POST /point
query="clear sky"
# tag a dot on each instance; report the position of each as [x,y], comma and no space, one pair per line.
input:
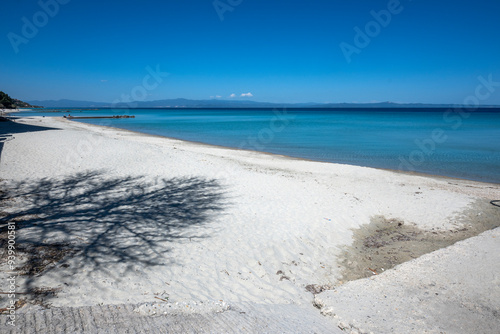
[278,50]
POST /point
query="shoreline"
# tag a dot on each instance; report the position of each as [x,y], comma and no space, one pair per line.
[129,216]
[415,173]
[408,172]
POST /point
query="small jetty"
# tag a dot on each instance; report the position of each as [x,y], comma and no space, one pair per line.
[89,117]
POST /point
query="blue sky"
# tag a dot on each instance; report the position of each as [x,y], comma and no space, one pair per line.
[279,50]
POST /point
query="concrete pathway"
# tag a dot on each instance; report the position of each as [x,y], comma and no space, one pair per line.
[243,318]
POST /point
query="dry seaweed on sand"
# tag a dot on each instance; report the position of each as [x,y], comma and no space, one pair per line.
[386,243]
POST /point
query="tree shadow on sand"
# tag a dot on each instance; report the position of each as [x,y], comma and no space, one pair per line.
[9,128]
[97,222]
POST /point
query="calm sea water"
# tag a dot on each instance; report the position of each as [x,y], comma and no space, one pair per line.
[437,142]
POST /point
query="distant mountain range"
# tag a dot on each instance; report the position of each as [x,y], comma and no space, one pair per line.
[186,103]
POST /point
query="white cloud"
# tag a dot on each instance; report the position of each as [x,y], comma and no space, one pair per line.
[104,80]
[246,95]
[232,95]
[218,96]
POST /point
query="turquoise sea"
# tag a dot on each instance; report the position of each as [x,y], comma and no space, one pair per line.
[454,143]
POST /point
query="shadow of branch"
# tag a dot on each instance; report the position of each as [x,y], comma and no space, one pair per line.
[99,221]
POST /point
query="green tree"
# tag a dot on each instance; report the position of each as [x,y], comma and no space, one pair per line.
[6,101]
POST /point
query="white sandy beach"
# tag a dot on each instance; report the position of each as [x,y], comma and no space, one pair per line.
[264,226]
